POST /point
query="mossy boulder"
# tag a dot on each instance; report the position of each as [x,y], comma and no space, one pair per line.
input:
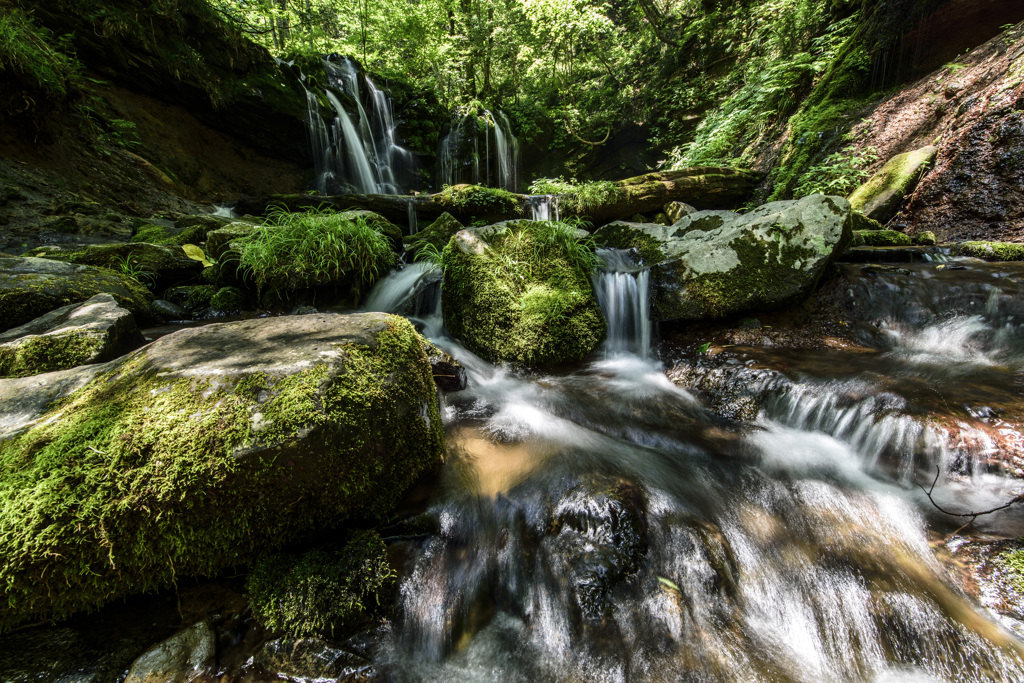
[512,293]
[717,263]
[91,332]
[160,265]
[992,251]
[206,449]
[861,222]
[228,300]
[185,230]
[881,238]
[925,238]
[193,298]
[881,196]
[675,211]
[378,223]
[218,242]
[30,287]
[321,593]
[436,234]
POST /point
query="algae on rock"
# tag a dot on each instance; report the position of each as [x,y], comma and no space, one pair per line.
[521,291]
[881,196]
[206,449]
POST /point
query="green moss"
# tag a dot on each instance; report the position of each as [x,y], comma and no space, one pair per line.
[194,298]
[156,234]
[525,299]
[1013,561]
[924,238]
[619,235]
[436,235]
[880,197]
[477,201]
[146,477]
[321,593]
[46,353]
[228,299]
[992,251]
[881,238]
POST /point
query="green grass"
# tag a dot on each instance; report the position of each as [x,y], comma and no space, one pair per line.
[295,251]
[35,55]
[578,197]
[522,249]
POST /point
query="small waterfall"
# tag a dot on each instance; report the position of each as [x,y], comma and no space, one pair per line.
[361,155]
[623,293]
[459,152]
[413,218]
[543,207]
[396,291]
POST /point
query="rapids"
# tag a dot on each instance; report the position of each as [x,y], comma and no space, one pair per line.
[602,523]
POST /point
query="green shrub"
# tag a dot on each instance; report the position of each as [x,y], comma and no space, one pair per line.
[321,593]
[294,251]
[35,55]
[578,197]
[839,174]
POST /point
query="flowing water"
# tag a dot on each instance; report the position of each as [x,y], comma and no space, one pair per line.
[605,524]
[459,153]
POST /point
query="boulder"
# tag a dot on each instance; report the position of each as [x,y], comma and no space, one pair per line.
[992,251]
[218,241]
[512,292]
[449,374]
[881,196]
[676,211]
[717,263]
[153,264]
[179,659]
[78,334]
[203,450]
[30,287]
[436,234]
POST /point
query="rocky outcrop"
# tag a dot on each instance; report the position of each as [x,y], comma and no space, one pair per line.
[716,263]
[437,234]
[882,195]
[515,292]
[30,287]
[95,331]
[160,265]
[179,659]
[204,449]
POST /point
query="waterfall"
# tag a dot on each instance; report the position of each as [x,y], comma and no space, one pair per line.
[459,152]
[361,155]
[623,294]
[542,206]
[413,218]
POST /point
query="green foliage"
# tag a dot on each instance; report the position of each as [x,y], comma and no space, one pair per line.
[840,173]
[1013,561]
[35,56]
[120,133]
[293,251]
[477,200]
[130,266]
[578,197]
[321,593]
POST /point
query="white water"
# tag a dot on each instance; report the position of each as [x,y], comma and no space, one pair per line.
[623,293]
[396,290]
[414,223]
[459,152]
[543,207]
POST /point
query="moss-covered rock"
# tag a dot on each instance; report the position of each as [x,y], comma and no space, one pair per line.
[228,300]
[717,263]
[91,332]
[675,211]
[218,241]
[205,449]
[514,292]
[992,251]
[30,287]
[925,239]
[321,593]
[193,298]
[378,223]
[881,196]
[437,234]
[185,230]
[157,265]
[881,238]
[475,202]
[858,221]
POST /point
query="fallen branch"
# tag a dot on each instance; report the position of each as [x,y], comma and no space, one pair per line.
[972,515]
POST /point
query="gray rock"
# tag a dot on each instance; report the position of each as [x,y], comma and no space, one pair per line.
[170,311]
[179,659]
[677,210]
[308,660]
[152,264]
[449,374]
[716,263]
[30,287]
[79,334]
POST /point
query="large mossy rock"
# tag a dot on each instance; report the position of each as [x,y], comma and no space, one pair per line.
[30,287]
[91,332]
[162,265]
[881,196]
[437,234]
[204,449]
[712,264]
[510,293]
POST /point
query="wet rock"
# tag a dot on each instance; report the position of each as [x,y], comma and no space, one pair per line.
[193,298]
[179,659]
[449,375]
[91,332]
[218,242]
[310,659]
[881,196]
[437,234]
[185,230]
[880,238]
[675,211]
[156,265]
[717,263]
[540,310]
[228,300]
[992,251]
[335,415]
[861,222]
[170,311]
[925,238]
[30,287]
[598,529]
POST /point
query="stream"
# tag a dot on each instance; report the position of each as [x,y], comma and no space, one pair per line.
[606,524]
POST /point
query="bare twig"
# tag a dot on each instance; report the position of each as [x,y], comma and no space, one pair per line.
[970,516]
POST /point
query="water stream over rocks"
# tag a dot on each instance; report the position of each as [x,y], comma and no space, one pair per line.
[608,524]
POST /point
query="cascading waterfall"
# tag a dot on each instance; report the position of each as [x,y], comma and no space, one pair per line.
[362,155]
[459,152]
[543,207]
[623,294]
[414,222]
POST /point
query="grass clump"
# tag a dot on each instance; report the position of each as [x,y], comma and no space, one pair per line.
[479,201]
[35,57]
[314,248]
[578,197]
[321,593]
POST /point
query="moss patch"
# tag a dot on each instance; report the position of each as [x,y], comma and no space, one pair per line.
[436,235]
[46,353]
[157,234]
[523,297]
[479,202]
[881,238]
[321,593]
[145,475]
[992,251]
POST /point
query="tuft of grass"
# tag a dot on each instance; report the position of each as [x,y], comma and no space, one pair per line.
[35,55]
[313,248]
[578,197]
